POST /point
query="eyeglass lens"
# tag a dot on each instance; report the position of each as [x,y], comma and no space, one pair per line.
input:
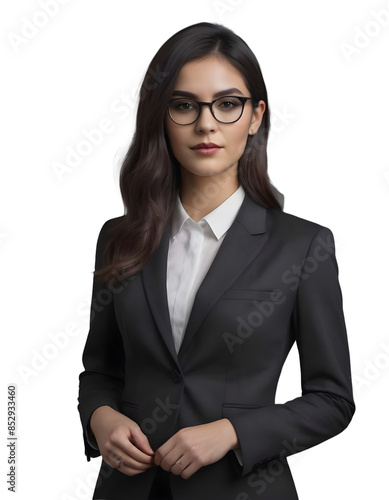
[225,109]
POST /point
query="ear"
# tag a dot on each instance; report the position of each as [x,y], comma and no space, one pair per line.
[257,116]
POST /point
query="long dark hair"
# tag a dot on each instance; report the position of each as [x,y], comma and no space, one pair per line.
[150,174]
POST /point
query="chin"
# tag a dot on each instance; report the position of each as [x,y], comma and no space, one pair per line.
[211,172]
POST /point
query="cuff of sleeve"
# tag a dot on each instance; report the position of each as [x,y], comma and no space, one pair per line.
[90,437]
[238,454]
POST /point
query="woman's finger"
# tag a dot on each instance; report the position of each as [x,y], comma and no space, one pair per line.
[131,453]
[132,457]
[125,464]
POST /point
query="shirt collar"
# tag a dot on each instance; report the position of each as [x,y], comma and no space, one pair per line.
[219,220]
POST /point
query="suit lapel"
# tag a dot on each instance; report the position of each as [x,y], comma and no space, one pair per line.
[242,243]
[154,281]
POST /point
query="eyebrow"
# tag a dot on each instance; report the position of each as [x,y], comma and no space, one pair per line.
[217,94]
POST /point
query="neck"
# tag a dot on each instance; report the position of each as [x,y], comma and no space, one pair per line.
[200,195]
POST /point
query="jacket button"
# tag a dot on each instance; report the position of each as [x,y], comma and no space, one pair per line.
[175,375]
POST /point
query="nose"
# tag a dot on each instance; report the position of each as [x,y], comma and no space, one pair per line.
[206,121]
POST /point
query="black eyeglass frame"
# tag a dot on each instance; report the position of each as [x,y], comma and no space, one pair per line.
[243,100]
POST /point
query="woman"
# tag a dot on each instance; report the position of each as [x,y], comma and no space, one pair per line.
[200,291]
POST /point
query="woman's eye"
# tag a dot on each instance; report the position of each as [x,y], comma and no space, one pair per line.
[228,104]
[184,106]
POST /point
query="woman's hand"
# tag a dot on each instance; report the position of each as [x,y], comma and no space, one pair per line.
[120,438]
[193,447]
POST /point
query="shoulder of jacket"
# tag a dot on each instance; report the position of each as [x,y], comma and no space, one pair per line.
[113,221]
[294,225]
[107,226]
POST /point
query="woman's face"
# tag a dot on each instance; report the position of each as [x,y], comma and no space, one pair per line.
[204,78]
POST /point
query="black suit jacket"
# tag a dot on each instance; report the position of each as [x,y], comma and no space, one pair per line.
[274,281]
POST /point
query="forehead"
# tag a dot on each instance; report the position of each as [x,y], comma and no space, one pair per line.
[208,75]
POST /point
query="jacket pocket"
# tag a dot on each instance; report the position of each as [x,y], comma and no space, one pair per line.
[240,406]
[235,294]
[232,410]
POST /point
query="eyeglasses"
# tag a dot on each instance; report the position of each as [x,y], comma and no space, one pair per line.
[227,109]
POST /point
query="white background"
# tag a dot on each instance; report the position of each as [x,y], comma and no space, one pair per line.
[328,93]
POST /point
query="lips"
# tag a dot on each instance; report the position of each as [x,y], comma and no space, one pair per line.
[206,145]
[206,148]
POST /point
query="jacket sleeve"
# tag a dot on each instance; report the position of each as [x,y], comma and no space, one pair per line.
[326,405]
[102,380]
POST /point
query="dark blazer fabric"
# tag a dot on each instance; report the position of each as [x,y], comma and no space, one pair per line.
[273,282]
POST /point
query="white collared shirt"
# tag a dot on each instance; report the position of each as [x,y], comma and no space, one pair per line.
[192,249]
